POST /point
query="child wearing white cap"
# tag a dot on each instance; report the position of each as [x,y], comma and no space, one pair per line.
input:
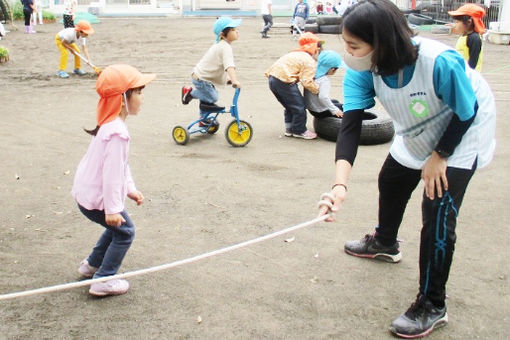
[216,66]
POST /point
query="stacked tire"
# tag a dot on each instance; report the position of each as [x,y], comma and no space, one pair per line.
[327,24]
[330,24]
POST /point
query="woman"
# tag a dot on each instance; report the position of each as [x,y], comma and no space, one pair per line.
[444,115]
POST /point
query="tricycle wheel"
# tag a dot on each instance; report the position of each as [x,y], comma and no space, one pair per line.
[238,136]
[213,128]
[180,135]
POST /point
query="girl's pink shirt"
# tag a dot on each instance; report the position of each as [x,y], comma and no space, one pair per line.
[103,178]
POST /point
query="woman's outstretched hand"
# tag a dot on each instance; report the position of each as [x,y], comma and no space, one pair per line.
[332,201]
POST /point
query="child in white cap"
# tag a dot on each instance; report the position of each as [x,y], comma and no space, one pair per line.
[217,65]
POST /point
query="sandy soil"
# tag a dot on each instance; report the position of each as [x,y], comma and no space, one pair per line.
[207,195]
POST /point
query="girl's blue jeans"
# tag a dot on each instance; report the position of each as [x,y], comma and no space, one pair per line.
[294,103]
[113,244]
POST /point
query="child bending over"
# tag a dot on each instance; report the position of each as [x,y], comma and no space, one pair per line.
[321,105]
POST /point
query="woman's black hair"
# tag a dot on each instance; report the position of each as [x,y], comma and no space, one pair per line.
[129,92]
[382,25]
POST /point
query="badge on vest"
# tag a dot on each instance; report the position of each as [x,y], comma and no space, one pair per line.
[419,108]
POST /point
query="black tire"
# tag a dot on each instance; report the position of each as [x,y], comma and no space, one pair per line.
[213,129]
[235,138]
[377,128]
[330,29]
[440,29]
[329,20]
[311,21]
[419,19]
[313,28]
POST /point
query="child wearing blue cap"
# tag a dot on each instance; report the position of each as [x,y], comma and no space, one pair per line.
[217,65]
[321,105]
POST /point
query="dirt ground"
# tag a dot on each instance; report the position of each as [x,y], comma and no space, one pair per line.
[208,195]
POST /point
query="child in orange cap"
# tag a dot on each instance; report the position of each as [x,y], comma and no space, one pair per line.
[66,41]
[284,75]
[469,25]
[103,178]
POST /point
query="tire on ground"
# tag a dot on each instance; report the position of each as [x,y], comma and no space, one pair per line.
[419,19]
[377,128]
[440,29]
[330,29]
[329,20]
[313,28]
[311,21]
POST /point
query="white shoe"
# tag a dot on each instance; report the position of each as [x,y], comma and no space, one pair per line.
[86,270]
[112,287]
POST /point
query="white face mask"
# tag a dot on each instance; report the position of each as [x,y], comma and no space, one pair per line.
[358,63]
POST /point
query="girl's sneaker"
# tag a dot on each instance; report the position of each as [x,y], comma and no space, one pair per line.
[86,270]
[79,72]
[62,74]
[112,287]
[306,135]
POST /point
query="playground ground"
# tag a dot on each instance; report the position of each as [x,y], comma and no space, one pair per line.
[208,195]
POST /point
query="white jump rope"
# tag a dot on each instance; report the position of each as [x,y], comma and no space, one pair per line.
[83,283]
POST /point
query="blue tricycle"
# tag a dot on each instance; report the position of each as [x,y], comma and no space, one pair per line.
[238,132]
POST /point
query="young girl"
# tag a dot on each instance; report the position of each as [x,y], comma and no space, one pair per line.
[321,105]
[469,25]
[216,66]
[444,115]
[103,178]
[66,41]
[284,76]
[68,15]
[28,9]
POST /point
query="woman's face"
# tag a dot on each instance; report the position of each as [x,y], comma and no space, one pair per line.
[354,45]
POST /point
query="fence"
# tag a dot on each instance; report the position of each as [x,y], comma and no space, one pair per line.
[438,10]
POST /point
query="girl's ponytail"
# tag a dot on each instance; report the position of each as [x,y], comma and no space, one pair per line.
[92,132]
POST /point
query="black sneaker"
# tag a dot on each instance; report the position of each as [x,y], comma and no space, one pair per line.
[419,320]
[370,248]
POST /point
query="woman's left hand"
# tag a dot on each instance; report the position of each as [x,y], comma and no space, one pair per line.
[433,174]
[136,196]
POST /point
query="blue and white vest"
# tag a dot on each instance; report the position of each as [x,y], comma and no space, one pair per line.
[421,118]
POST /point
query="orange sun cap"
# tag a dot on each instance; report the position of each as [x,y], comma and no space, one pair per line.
[111,84]
[475,11]
[309,42]
[84,26]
